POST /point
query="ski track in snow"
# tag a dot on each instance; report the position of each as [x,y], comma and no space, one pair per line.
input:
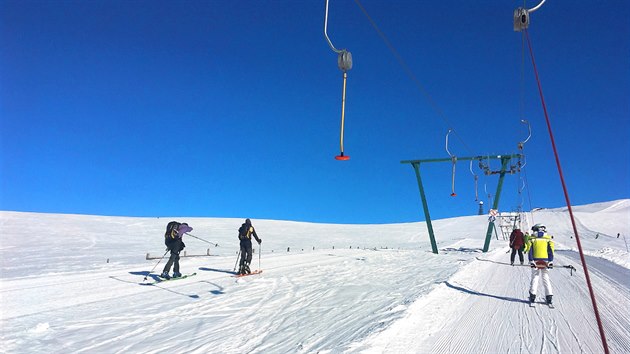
[482,298]
[59,295]
[294,306]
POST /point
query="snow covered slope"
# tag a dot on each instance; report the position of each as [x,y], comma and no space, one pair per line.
[72,283]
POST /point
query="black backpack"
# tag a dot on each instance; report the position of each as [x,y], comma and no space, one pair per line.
[171,231]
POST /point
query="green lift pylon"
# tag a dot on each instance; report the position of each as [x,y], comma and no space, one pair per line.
[505,159]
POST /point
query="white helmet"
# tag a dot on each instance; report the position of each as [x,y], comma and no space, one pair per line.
[539,227]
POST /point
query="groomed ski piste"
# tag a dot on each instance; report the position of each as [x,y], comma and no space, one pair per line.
[71,284]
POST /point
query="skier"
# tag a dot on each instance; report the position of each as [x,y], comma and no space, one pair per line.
[175,244]
[516,243]
[540,250]
[245,233]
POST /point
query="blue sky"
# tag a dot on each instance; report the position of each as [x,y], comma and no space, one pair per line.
[232,108]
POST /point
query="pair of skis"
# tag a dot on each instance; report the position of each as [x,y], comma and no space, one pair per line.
[246,274]
[550,305]
[162,280]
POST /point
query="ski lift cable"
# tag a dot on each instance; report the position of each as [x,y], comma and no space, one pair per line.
[522,88]
[411,75]
[566,196]
[529,197]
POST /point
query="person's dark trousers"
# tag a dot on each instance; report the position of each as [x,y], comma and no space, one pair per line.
[246,252]
[175,248]
[520,255]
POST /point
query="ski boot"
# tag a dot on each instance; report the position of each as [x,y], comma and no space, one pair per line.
[165,275]
[177,275]
[549,299]
[247,270]
[532,298]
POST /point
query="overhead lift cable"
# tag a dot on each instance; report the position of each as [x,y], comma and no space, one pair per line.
[521,23]
[411,75]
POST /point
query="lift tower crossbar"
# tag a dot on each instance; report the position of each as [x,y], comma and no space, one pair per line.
[505,159]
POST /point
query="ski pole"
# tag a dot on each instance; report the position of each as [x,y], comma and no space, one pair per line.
[160,260]
[259,252]
[570,267]
[198,238]
[238,255]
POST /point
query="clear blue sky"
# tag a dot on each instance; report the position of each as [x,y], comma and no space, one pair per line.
[232,108]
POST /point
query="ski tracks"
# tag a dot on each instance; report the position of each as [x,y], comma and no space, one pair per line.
[483,297]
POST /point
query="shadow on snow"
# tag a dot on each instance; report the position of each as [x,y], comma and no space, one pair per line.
[472,292]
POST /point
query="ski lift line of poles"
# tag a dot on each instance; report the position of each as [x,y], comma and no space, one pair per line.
[521,23]
[344,62]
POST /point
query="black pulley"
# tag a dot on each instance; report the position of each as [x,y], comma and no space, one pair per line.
[521,19]
[344,60]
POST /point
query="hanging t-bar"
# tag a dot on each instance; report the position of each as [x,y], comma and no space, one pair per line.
[344,62]
[454,160]
[521,144]
[476,180]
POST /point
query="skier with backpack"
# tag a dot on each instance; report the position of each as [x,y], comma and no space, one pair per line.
[245,233]
[516,243]
[540,248]
[174,243]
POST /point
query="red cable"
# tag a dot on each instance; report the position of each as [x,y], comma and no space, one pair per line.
[566,196]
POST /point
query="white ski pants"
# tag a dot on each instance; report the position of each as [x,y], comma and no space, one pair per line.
[536,274]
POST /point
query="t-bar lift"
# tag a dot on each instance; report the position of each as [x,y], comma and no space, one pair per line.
[505,162]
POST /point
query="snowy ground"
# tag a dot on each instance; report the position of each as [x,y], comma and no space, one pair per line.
[71,283]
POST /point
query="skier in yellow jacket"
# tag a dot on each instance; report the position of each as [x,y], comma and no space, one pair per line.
[539,249]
